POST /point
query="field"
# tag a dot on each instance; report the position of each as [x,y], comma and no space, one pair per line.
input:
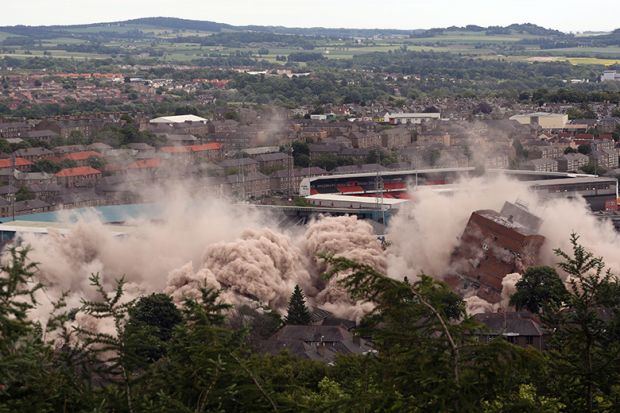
[151,41]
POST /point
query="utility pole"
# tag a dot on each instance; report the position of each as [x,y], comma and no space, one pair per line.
[290,171]
[12,194]
[241,172]
[379,188]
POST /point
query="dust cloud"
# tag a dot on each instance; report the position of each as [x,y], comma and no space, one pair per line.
[209,242]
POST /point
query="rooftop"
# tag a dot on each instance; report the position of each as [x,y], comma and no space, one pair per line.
[178,119]
[79,171]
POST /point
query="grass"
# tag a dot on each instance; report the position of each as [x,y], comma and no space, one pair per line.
[592,61]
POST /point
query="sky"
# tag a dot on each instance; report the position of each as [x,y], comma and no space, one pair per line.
[565,15]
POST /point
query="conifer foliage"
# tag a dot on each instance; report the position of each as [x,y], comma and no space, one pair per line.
[298,313]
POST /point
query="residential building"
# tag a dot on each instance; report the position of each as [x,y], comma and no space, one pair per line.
[604,159]
[212,151]
[280,180]
[35,154]
[46,136]
[13,129]
[273,161]
[319,150]
[351,169]
[520,328]
[492,245]
[20,164]
[434,137]
[240,165]
[81,158]
[179,139]
[316,342]
[365,140]
[396,138]
[542,165]
[82,176]
[251,185]
[572,162]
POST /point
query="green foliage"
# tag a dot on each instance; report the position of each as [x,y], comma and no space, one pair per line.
[45,165]
[149,327]
[581,113]
[96,162]
[202,357]
[539,289]
[526,399]
[67,163]
[297,313]
[24,194]
[584,350]
[584,149]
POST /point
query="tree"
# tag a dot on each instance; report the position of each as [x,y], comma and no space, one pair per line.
[584,149]
[45,165]
[96,162]
[110,349]
[584,349]
[24,194]
[298,313]
[539,289]
[149,327]
[484,108]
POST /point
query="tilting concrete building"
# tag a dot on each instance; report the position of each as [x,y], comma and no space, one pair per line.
[492,246]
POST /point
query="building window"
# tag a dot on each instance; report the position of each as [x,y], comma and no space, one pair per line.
[529,340]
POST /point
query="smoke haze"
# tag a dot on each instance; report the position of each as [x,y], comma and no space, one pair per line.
[211,243]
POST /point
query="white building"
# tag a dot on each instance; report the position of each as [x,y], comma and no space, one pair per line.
[610,75]
[180,119]
[413,118]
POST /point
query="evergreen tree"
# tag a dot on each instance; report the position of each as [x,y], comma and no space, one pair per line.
[298,313]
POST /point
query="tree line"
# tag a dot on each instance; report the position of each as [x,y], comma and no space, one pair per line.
[202,356]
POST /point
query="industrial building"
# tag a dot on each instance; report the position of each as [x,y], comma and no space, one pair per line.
[171,120]
[15,230]
[600,193]
[543,119]
[355,202]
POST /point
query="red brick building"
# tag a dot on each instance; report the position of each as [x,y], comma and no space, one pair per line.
[82,176]
[20,164]
[494,245]
[212,151]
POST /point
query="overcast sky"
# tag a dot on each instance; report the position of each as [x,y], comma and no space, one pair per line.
[566,15]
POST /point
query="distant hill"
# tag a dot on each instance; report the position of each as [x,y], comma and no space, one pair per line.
[132,27]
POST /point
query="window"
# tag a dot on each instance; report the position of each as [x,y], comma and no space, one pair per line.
[529,340]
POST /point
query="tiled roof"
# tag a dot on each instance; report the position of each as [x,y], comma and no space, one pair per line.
[82,156]
[79,171]
[145,164]
[7,163]
[212,146]
[175,149]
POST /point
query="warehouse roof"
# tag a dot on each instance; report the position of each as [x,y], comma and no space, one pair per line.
[178,119]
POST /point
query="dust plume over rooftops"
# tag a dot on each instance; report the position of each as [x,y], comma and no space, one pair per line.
[209,242]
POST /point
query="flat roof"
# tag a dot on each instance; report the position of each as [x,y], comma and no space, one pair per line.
[40,227]
[178,119]
[389,173]
[359,199]
[540,115]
